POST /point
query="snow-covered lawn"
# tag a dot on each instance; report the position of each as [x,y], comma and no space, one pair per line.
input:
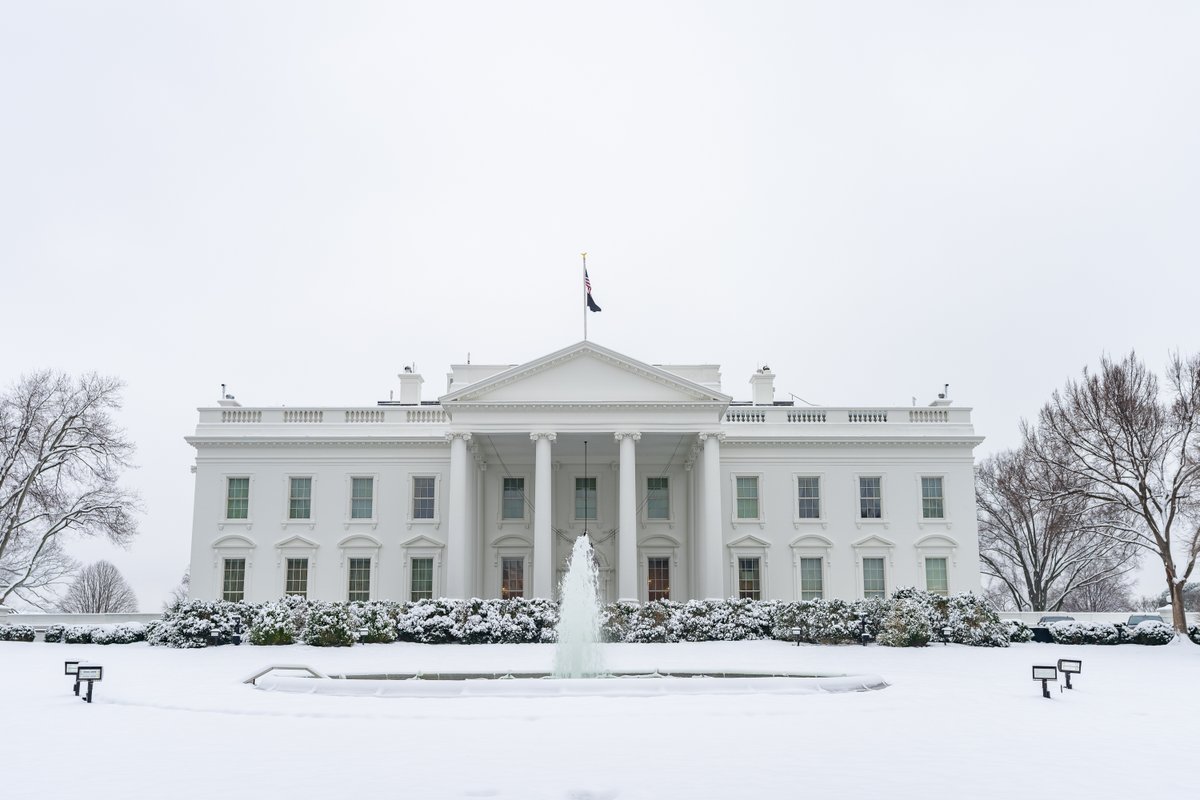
[956,723]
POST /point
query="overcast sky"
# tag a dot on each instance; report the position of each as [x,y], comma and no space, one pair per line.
[874,198]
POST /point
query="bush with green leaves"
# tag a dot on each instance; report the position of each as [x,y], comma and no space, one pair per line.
[1151,632]
[720,620]
[1018,631]
[635,623]
[78,634]
[329,625]
[121,633]
[200,623]
[1076,632]
[1194,633]
[829,621]
[274,623]
[54,633]
[907,623]
[17,633]
[375,621]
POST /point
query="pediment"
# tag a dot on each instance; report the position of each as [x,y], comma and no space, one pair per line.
[873,541]
[422,541]
[296,541]
[234,540]
[936,540]
[749,540]
[811,540]
[660,540]
[584,373]
[360,540]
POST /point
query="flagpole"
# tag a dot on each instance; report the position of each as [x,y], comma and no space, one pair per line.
[585,308]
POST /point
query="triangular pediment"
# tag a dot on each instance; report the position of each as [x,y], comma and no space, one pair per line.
[584,373]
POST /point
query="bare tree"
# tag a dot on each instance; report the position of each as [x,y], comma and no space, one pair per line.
[180,594]
[1125,445]
[99,588]
[1040,548]
[61,455]
[1114,593]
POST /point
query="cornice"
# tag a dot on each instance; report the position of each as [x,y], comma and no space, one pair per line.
[854,441]
[583,404]
[258,441]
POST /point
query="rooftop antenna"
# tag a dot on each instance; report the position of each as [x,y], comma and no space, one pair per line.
[468,358]
[945,391]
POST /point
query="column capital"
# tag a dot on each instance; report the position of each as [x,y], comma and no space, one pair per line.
[634,435]
[720,437]
[450,437]
[543,435]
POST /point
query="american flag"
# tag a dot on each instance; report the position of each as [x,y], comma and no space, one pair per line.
[587,288]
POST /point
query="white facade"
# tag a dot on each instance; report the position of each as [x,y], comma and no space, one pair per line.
[483,492]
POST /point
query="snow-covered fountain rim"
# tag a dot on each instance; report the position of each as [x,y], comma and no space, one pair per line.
[538,684]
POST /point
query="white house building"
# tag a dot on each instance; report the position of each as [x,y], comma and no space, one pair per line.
[685,492]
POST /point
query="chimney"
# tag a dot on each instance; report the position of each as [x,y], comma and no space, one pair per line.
[762,386]
[410,387]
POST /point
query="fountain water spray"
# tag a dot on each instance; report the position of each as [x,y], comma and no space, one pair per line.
[578,653]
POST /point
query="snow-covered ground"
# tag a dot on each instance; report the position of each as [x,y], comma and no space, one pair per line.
[956,723]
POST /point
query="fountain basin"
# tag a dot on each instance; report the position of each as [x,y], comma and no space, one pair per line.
[463,684]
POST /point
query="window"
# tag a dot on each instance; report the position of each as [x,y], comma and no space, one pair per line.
[933,504]
[362,498]
[658,578]
[749,578]
[237,499]
[937,580]
[812,579]
[233,587]
[512,577]
[747,496]
[422,579]
[296,580]
[360,580]
[873,578]
[585,498]
[808,496]
[870,498]
[424,497]
[512,504]
[658,498]
[300,498]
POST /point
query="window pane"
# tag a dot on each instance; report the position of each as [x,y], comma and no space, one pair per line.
[360,580]
[658,498]
[585,498]
[932,500]
[873,584]
[234,584]
[513,504]
[362,496]
[812,579]
[512,577]
[870,498]
[749,579]
[422,579]
[658,572]
[297,577]
[747,496]
[936,579]
[424,499]
[808,490]
[237,499]
[300,498]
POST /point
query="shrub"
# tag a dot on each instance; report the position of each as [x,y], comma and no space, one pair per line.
[907,624]
[17,633]
[329,625]
[375,622]
[1018,631]
[200,623]
[273,624]
[1074,632]
[78,634]
[972,621]
[429,622]
[1194,633]
[829,621]
[1153,633]
[121,633]
[54,633]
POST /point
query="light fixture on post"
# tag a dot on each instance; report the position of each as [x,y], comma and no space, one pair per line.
[1069,667]
[946,631]
[1045,674]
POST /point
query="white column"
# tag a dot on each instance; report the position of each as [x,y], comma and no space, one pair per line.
[543,534]
[712,583]
[457,558]
[627,589]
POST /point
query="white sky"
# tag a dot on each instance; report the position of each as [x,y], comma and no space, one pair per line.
[874,198]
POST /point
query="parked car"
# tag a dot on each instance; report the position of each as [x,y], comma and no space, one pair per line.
[1138,619]
[1049,618]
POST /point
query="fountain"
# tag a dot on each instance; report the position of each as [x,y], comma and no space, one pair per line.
[578,652]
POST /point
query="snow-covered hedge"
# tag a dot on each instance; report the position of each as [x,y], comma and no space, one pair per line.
[907,623]
[17,633]
[475,621]
[329,625]
[1075,632]
[200,623]
[1152,632]
[375,622]
[78,634]
[275,623]
[54,633]
[829,621]
[1194,633]
[1018,631]
[121,633]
